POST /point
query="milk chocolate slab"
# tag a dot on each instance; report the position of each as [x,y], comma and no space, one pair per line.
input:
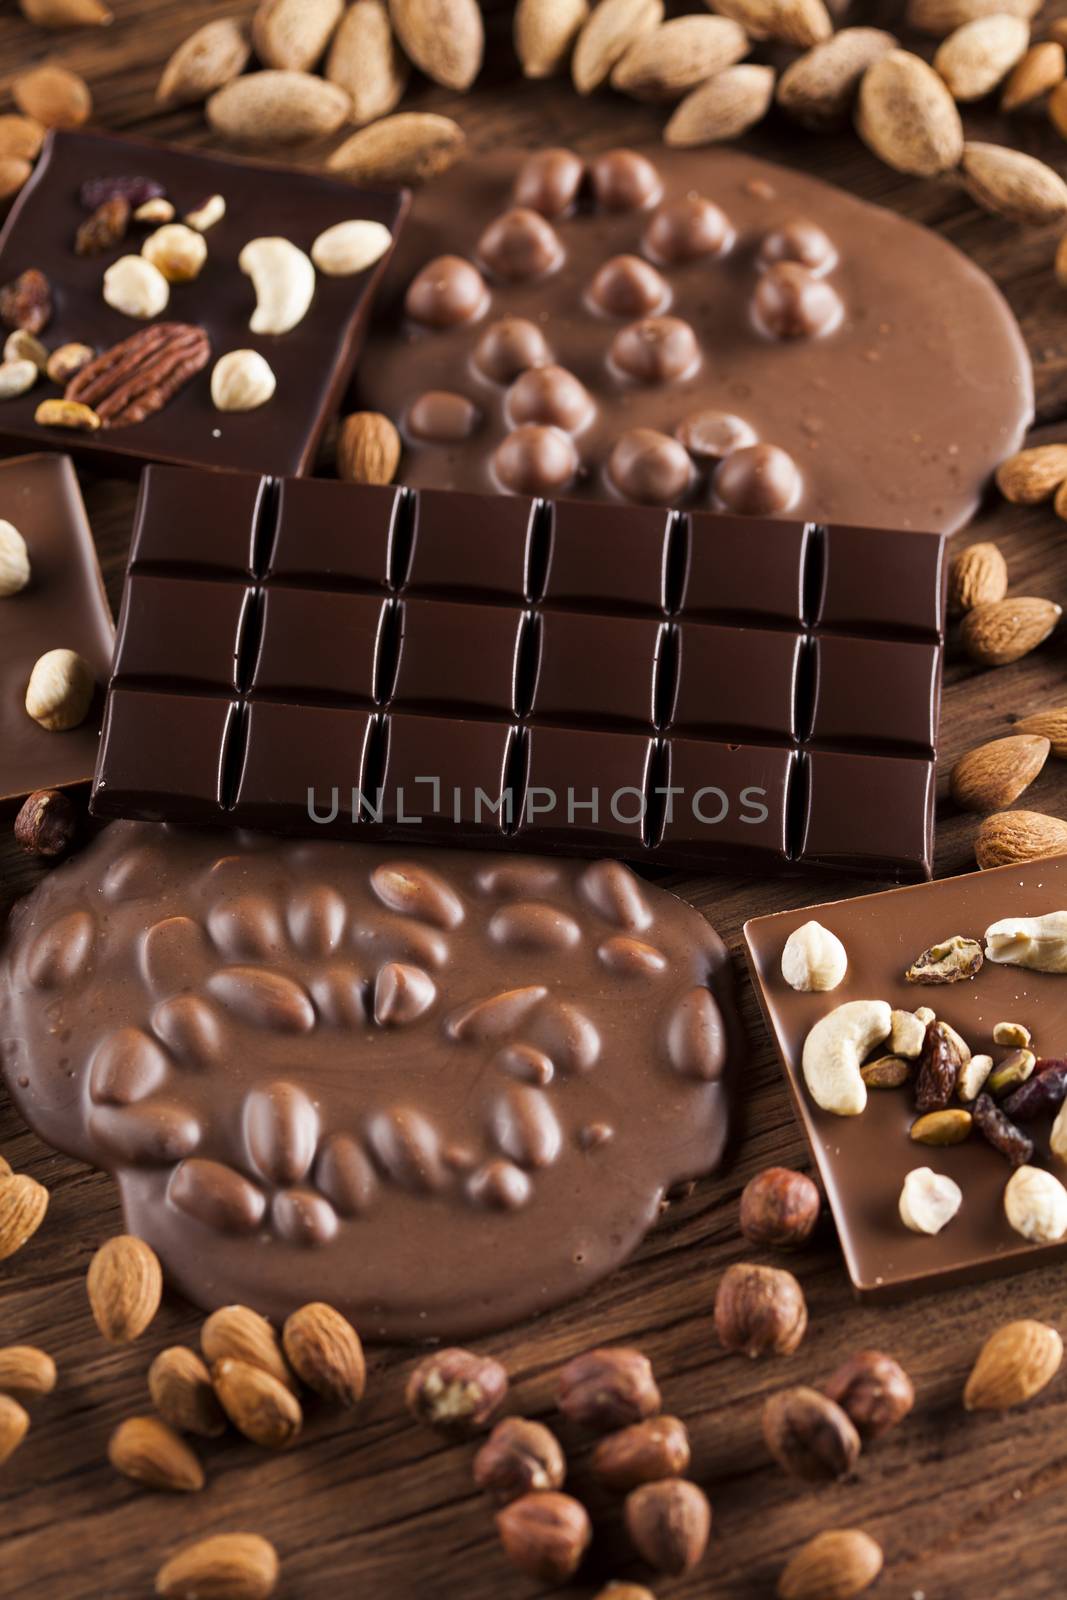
[679,689]
[454,1088]
[864,1160]
[312,363]
[62,607]
[894,409]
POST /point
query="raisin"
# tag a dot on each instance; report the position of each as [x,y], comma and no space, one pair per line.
[104,229]
[1001,1132]
[135,191]
[939,1068]
[26,302]
[1044,1090]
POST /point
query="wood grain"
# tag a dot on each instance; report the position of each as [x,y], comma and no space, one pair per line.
[967,1507]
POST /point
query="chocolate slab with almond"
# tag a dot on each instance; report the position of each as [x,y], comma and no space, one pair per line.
[864,1159]
[312,362]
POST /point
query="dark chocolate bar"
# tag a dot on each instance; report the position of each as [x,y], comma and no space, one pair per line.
[329,658]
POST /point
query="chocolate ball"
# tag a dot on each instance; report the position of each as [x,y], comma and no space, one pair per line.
[656,349]
[626,286]
[624,181]
[549,182]
[650,467]
[759,480]
[711,435]
[508,347]
[536,460]
[686,229]
[790,303]
[445,293]
[520,245]
[441,417]
[800,241]
[552,395]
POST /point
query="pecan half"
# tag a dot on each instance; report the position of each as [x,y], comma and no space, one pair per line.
[137,378]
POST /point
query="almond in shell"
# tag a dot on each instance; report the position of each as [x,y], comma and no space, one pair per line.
[210,58]
[145,1449]
[445,39]
[614,26]
[665,64]
[978,56]
[66,13]
[1042,67]
[275,107]
[998,632]
[801,23]
[835,1565]
[294,33]
[907,116]
[941,17]
[1016,1363]
[125,1286]
[723,108]
[1050,725]
[23,1203]
[544,33]
[366,61]
[14,1425]
[996,774]
[1013,184]
[976,574]
[819,87]
[228,1566]
[411,147]
[1008,838]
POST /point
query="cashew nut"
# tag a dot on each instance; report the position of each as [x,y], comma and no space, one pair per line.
[1035,1204]
[1039,943]
[813,958]
[17,377]
[205,216]
[284,280]
[834,1050]
[907,1035]
[928,1200]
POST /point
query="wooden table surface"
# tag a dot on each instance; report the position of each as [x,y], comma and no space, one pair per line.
[966,1507]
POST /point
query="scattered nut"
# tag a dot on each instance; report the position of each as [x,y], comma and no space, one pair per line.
[368,448]
[257,1404]
[813,958]
[1030,476]
[1058,1137]
[154,211]
[1038,943]
[60,690]
[949,962]
[834,1050]
[205,216]
[178,252]
[1016,1362]
[669,1523]
[284,281]
[125,1286]
[779,1208]
[326,1353]
[1035,1204]
[1011,1072]
[67,414]
[350,247]
[1011,1033]
[545,1534]
[1051,723]
[68,360]
[949,1126]
[606,1389]
[241,1332]
[835,1565]
[998,632]
[456,1390]
[518,1458]
[242,380]
[973,1076]
[241,1566]
[908,1033]
[17,377]
[14,561]
[182,1392]
[137,288]
[644,1453]
[148,1451]
[14,1425]
[26,1372]
[976,574]
[23,1204]
[995,774]
[760,1311]
[105,228]
[21,345]
[873,1390]
[809,1435]
[928,1200]
[888,1072]
[47,824]
[1008,837]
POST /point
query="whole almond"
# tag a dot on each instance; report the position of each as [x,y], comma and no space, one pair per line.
[23,1203]
[210,58]
[411,147]
[998,632]
[240,1332]
[325,1352]
[1057,109]
[994,775]
[801,23]
[613,27]
[14,172]
[1030,476]
[976,574]
[228,1566]
[260,1407]
[907,117]
[819,87]
[1008,838]
[145,1449]
[1042,67]
[53,97]
[1016,1362]
[26,1371]
[293,34]
[368,448]
[674,58]
[272,107]
[1013,184]
[20,137]
[182,1392]
[14,1425]
[1050,725]
[366,61]
[445,39]
[125,1285]
[66,13]
[835,1565]
[545,31]
[5,1168]
[975,58]
[941,17]
[724,107]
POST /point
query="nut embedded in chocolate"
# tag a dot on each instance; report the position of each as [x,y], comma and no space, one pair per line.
[105,228]
[440,417]
[669,1523]
[801,241]
[141,375]
[549,181]
[760,1311]
[810,1435]
[535,459]
[686,229]
[792,303]
[779,1208]
[519,1457]
[47,823]
[605,1389]
[623,180]
[656,350]
[445,293]
[758,480]
[509,347]
[642,1453]
[626,286]
[874,1391]
[550,395]
[710,435]
[456,1390]
[650,467]
[520,245]
[545,1534]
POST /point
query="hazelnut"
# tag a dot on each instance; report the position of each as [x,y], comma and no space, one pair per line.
[549,182]
[656,350]
[517,1458]
[510,347]
[874,1390]
[792,303]
[623,180]
[60,690]
[179,252]
[686,229]
[809,1435]
[456,1390]
[759,480]
[536,459]
[549,395]
[608,1389]
[760,1311]
[801,241]
[545,1534]
[643,1453]
[47,823]
[779,1208]
[650,467]
[447,292]
[520,245]
[669,1523]
[136,287]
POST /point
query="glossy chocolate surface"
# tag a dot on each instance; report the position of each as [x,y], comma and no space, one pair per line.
[62,607]
[454,1088]
[847,348]
[312,362]
[485,664]
[864,1160]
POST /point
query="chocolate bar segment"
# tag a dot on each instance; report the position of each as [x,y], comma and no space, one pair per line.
[468,679]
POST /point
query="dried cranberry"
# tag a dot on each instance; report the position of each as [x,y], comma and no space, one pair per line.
[1044,1090]
[135,191]
[939,1068]
[1001,1132]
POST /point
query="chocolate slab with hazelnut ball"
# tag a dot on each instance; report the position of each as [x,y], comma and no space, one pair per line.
[939,1138]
